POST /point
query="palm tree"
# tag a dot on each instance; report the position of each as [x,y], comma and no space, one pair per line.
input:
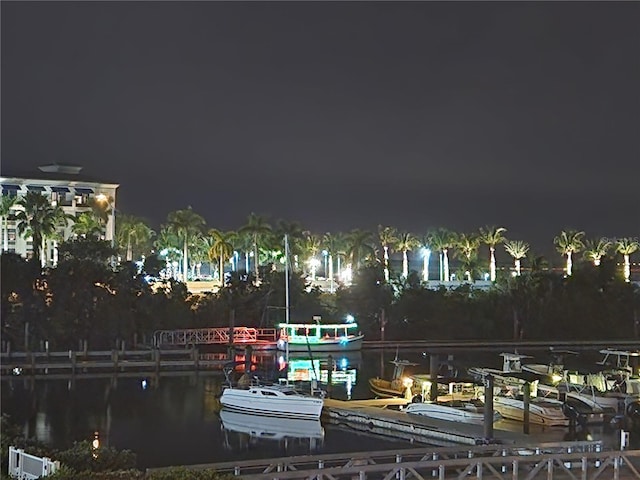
[185,224]
[518,250]
[87,225]
[295,236]
[39,220]
[594,251]
[568,243]
[388,239]
[221,248]
[257,227]
[442,240]
[492,236]
[132,232]
[426,245]
[406,243]
[7,203]
[360,246]
[468,245]
[311,247]
[168,245]
[625,247]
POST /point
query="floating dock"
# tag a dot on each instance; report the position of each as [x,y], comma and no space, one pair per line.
[375,416]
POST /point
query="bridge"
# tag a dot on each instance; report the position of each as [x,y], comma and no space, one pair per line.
[263,338]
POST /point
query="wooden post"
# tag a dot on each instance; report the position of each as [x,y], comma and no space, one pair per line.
[72,357]
[527,401]
[114,359]
[157,352]
[196,358]
[433,375]
[329,375]
[248,351]
[488,407]
[383,323]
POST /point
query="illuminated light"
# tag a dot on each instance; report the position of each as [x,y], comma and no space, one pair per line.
[96,441]
[144,384]
[344,363]
[101,197]
[407,382]
[17,371]
[350,318]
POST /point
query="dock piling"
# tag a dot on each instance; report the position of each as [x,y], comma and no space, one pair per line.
[527,402]
[488,407]
[433,374]
[329,375]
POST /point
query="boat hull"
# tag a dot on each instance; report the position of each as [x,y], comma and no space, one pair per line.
[324,345]
[547,412]
[464,414]
[286,406]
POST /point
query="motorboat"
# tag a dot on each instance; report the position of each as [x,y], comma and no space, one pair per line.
[399,385]
[270,428]
[272,400]
[319,337]
[469,411]
[542,411]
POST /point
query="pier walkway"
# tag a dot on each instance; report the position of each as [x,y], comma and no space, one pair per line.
[572,460]
[256,337]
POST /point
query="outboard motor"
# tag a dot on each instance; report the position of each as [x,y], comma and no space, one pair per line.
[416,399]
[632,412]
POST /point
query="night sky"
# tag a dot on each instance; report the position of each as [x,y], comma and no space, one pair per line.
[337,115]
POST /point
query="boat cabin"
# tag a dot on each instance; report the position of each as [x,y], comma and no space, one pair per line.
[316,333]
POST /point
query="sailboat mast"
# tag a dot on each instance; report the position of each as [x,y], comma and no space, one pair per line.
[286,294]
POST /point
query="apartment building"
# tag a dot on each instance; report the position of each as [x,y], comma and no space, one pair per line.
[64,185]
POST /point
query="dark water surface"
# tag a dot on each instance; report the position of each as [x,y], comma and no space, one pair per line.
[175,420]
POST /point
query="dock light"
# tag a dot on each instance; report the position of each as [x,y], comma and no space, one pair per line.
[95,444]
[144,384]
[344,363]
[349,318]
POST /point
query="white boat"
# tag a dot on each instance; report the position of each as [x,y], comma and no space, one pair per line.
[272,400]
[542,411]
[319,337]
[470,411]
[270,428]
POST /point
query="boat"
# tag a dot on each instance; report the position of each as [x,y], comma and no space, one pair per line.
[270,428]
[276,400]
[399,385]
[466,411]
[319,337]
[542,411]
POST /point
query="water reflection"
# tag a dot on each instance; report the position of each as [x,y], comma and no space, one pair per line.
[290,436]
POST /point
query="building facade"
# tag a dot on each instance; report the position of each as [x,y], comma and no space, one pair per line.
[62,185]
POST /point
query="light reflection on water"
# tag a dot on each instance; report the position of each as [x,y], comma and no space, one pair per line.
[173,420]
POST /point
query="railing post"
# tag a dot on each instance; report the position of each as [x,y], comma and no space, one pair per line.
[196,358]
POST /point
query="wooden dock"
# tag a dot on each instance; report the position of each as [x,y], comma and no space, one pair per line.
[375,416]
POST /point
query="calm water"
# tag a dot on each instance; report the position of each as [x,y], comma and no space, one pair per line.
[176,420]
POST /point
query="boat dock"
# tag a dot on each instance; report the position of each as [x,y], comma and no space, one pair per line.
[375,416]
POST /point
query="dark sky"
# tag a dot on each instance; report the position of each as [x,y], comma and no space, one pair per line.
[336,114]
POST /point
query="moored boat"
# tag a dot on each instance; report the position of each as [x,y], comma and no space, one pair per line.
[329,337]
[272,400]
[542,411]
[469,411]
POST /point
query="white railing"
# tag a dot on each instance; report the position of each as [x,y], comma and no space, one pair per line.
[27,467]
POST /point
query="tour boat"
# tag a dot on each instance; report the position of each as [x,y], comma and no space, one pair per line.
[272,400]
[328,337]
[469,411]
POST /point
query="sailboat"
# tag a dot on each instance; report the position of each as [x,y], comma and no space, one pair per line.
[274,400]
